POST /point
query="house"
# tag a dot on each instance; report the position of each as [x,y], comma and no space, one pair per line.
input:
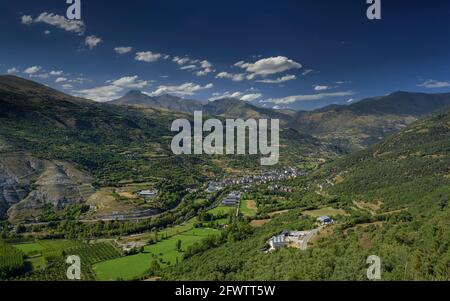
[324,220]
[278,242]
[148,193]
[211,187]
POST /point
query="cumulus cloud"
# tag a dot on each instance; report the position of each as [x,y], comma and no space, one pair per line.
[311,97]
[434,84]
[237,95]
[268,66]
[113,90]
[60,80]
[185,89]
[251,97]
[123,50]
[32,70]
[233,76]
[207,68]
[92,41]
[147,56]
[67,86]
[181,60]
[278,80]
[73,26]
[101,94]
[56,72]
[132,82]
[27,20]
[321,88]
[13,70]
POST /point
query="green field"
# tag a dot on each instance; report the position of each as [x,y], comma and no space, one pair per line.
[324,211]
[221,210]
[247,209]
[28,248]
[164,252]
[10,259]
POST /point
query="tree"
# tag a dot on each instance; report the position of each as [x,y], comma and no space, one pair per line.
[178,246]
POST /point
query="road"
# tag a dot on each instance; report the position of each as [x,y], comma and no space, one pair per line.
[107,219]
[304,244]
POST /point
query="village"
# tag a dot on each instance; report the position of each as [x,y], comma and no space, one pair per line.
[263,178]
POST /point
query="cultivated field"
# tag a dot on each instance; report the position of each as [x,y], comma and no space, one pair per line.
[165,253]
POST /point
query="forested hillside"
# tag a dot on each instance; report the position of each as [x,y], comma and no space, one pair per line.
[396,195]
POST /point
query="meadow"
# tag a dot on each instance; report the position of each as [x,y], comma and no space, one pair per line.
[164,253]
[248,208]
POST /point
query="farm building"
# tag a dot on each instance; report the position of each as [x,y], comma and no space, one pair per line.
[324,220]
[287,238]
[278,242]
[148,193]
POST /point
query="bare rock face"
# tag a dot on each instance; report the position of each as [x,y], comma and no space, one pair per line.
[27,184]
[16,173]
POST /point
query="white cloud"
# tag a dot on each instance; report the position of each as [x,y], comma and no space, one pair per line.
[234,77]
[181,61]
[101,94]
[237,95]
[350,100]
[307,71]
[60,80]
[67,86]
[207,68]
[13,70]
[113,90]
[123,50]
[27,20]
[32,70]
[56,72]
[278,80]
[216,96]
[131,82]
[312,97]
[268,66]
[182,90]
[47,32]
[251,97]
[147,56]
[205,64]
[188,67]
[434,84]
[92,41]
[204,72]
[321,88]
[74,26]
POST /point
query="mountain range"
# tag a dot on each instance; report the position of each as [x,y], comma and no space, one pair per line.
[352,127]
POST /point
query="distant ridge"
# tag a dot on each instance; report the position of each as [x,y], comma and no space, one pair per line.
[165,101]
[363,123]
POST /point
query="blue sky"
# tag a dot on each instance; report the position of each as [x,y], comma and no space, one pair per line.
[284,54]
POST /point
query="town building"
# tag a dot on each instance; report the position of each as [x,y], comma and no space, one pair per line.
[232,199]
